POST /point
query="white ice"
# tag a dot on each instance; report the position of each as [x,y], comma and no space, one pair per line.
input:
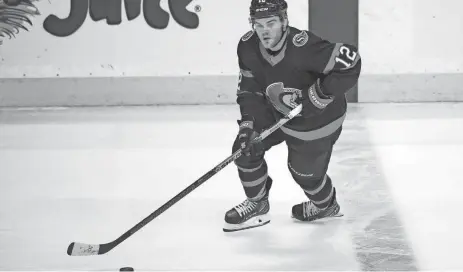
[89,174]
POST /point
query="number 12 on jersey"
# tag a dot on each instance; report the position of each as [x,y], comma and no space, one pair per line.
[345,56]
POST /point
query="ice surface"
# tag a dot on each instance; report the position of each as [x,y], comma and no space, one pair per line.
[88,175]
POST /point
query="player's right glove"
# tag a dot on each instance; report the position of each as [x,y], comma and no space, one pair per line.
[246,135]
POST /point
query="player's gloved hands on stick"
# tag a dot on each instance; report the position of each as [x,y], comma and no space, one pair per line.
[246,135]
[313,101]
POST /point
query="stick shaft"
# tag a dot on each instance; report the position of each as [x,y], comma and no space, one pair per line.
[205,177]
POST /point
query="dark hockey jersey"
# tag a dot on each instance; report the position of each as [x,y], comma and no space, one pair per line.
[269,83]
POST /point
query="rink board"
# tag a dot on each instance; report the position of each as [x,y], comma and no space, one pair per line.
[205,90]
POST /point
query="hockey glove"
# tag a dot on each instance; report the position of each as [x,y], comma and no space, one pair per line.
[246,135]
[313,101]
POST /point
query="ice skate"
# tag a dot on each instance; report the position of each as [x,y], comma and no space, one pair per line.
[248,214]
[307,211]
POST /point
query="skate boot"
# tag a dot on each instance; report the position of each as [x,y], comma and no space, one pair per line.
[249,214]
[307,211]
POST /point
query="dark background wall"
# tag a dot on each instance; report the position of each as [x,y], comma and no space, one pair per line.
[337,21]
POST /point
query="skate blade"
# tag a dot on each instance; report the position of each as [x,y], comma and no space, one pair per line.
[319,219]
[254,222]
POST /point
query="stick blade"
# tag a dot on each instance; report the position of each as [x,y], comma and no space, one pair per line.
[80,249]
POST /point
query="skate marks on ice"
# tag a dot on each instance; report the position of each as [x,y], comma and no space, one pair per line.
[288,245]
[377,232]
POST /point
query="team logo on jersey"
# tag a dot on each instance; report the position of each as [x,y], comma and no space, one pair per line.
[283,99]
[300,39]
[247,36]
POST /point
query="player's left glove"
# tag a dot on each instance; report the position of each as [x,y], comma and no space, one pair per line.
[313,101]
[246,135]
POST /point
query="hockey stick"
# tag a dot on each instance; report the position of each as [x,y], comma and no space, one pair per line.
[80,249]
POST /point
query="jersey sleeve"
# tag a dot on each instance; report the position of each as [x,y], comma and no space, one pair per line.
[339,65]
[250,97]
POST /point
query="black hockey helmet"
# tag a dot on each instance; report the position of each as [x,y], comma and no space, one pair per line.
[267,8]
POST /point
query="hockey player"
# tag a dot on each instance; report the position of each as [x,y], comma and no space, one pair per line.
[281,67]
